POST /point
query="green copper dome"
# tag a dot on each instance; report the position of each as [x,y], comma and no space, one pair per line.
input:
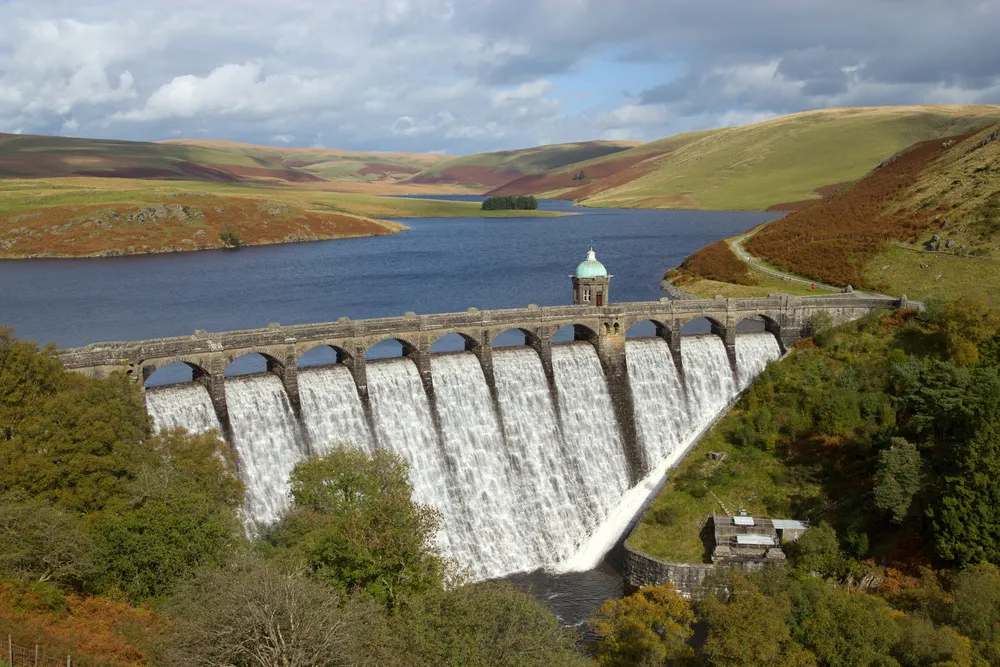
[591,268]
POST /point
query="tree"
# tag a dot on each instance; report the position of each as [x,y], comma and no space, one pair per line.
[78,444]
[483,625]
[27,379]
[182,514]
[846,629]
[231,237]
[355,524]
[255,613]
[965,324]
[977,602]
[965,521]
[817,551]
[923,644]
[748,629]
[42,543]
[648,627]
[899,478]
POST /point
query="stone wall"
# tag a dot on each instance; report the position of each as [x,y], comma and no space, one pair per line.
[640,569]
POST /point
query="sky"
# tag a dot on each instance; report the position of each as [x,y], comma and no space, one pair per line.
[463,76]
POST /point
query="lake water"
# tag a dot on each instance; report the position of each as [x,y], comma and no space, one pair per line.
[441,265]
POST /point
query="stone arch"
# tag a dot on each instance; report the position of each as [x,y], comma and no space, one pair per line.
[770,324]
[322,354]
[408,347]
[647,328]
[529,337]
[696,325]
[150,368]
[249,366]
[469,340]
[575,332]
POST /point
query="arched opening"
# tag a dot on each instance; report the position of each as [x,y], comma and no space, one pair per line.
[177,372]
[573,332]
[647,329]
[322,355]
[453,342]
[703,325]
[251,363]
[388,349]
[750,325]
[513,338]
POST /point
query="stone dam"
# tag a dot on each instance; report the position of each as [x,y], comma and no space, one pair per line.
[537,455]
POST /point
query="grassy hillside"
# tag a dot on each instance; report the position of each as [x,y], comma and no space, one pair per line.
[925,223]
[500,167]
[786,159]
[599,173]
[75,217]
[27,156]
[328,163]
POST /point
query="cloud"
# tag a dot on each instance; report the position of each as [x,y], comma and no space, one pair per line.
[465,76]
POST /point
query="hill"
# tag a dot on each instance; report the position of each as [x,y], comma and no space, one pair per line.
[501,167]
[599,173]
[29,156]
[924,223]
[328,163]
[779,163]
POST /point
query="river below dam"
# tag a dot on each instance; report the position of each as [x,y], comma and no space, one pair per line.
[532,488]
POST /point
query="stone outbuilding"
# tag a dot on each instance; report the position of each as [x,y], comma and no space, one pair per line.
[747,539]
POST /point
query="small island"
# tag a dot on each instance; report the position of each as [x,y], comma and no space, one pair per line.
[510,203]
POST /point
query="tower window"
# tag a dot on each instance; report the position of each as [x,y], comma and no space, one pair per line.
[586,294]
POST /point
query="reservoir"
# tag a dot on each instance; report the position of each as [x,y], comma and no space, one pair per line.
[441,265]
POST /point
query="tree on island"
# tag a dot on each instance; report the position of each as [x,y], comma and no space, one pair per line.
[581,176]
[510,203]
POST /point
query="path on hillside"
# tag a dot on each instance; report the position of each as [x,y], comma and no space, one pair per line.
[737,245]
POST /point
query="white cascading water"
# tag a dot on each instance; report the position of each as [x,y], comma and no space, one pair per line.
[486,526]
[185,405]
[753,352]
[662,419]
[709,377]
[404,425]
[545,490]
[591,438]
[520,485]
[332,414]
[267,442]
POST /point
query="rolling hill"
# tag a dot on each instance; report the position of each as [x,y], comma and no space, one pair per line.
[327,163]
[29,156]
[777,163]
[925,223]
[498,168]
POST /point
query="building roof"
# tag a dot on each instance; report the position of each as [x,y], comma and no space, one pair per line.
[755,540]
[789,524]
[590,267]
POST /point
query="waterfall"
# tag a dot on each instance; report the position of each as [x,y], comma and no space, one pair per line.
[404,424]
[546,491]
[267,442]
[488,528]
[753,352]
[710,382]
[332,413]
[187,405]
[592,438]
[536,479]
[662,419]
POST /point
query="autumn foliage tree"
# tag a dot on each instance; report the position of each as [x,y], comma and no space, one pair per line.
[651,626]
